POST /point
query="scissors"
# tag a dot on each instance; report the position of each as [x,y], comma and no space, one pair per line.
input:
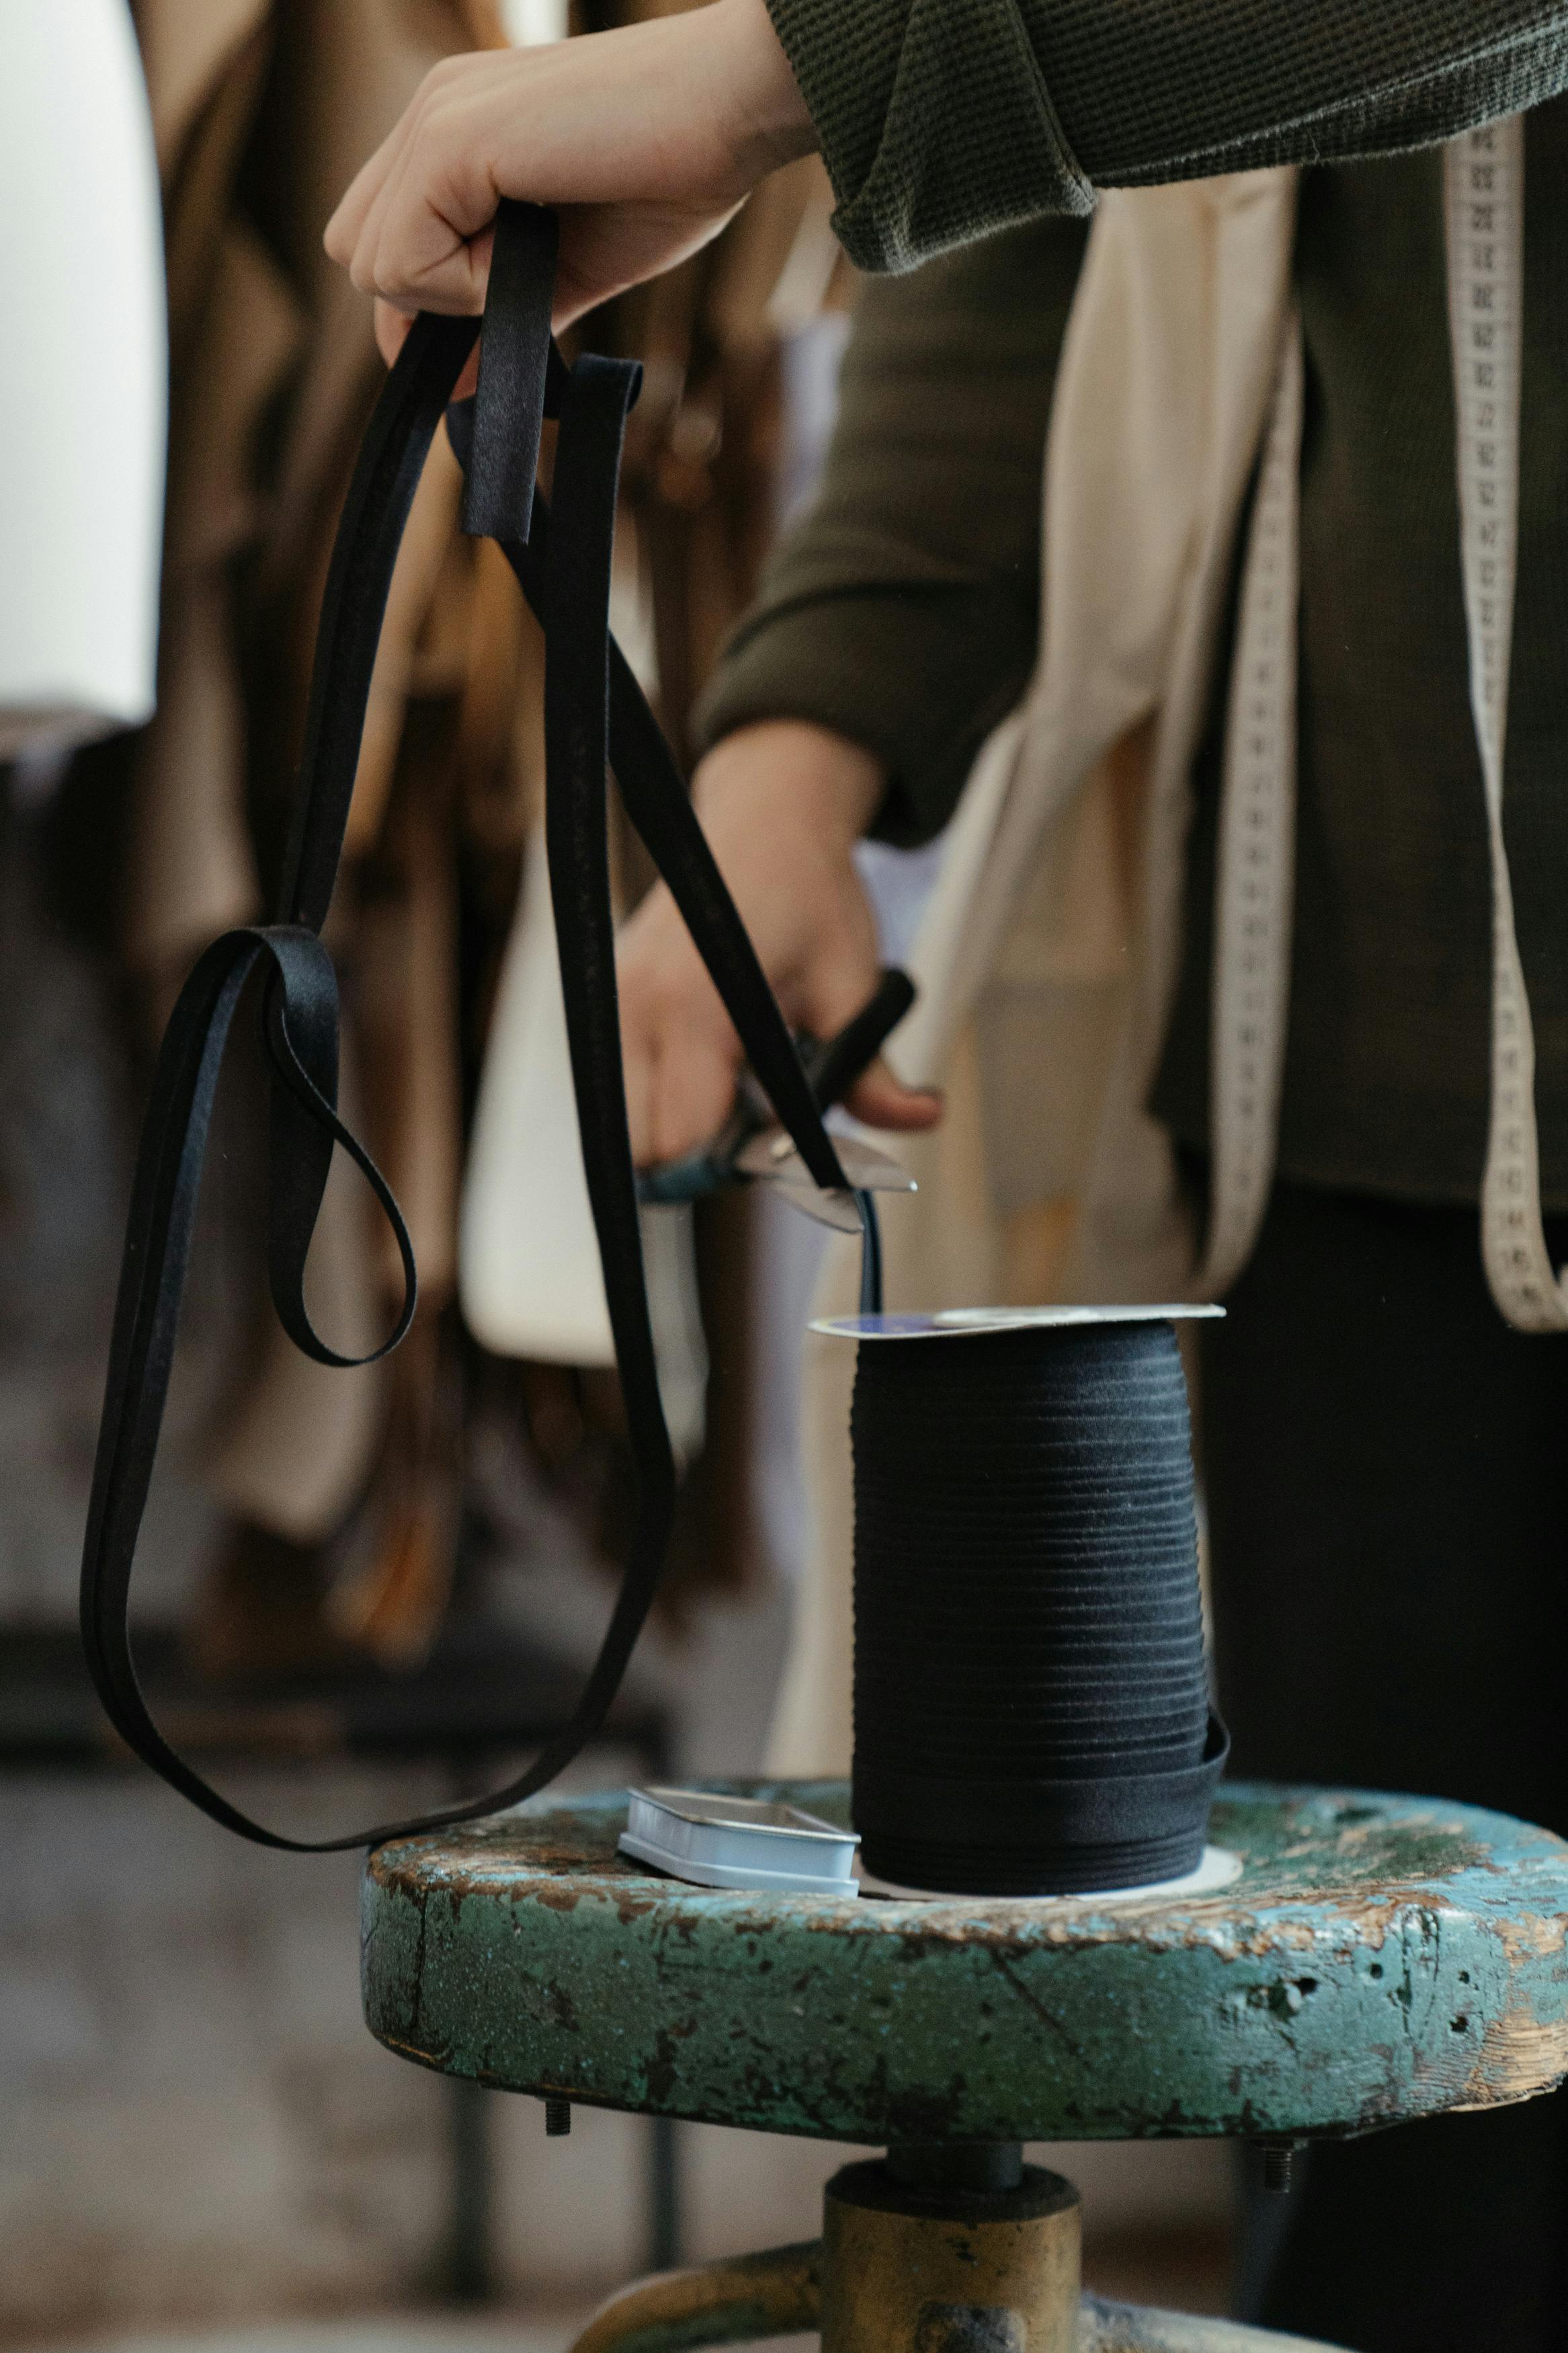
[752,1149]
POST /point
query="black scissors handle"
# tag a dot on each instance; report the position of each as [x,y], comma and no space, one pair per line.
[832,1066]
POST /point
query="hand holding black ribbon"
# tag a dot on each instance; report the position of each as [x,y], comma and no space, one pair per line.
[596,719]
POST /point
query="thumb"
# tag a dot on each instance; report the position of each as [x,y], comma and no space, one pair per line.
[881,1099]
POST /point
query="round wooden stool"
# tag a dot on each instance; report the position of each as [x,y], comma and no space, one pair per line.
[1374,1959]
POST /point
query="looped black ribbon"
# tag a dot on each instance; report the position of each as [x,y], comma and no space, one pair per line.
[595,720]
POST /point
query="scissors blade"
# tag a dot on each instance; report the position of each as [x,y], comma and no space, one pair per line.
[772,1159]
[830,1064]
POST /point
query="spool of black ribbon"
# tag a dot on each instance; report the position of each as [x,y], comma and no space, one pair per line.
[1031,1699]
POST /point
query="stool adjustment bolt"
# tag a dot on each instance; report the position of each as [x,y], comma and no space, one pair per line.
[1278,2164]
[557,2116]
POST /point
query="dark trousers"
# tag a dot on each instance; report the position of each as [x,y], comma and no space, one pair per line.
[1386,1469]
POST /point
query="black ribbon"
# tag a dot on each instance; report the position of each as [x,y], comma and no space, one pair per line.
[1032,1711]
[596,719]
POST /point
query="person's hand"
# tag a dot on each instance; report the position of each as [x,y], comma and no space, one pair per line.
[782,805]
[646,139]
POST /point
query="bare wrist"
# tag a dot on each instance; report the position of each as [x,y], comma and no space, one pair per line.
[801,775]
[765,116]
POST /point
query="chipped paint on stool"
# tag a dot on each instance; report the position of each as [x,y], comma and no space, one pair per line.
[1378,1959]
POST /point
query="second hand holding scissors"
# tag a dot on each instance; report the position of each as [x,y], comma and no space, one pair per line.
[751,1147]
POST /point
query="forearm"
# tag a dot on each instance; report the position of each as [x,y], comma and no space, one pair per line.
[903,612]
[914,677]
[943,118]
[939,121]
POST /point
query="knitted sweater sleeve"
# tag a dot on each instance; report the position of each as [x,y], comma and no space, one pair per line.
[903,610]
[941,120]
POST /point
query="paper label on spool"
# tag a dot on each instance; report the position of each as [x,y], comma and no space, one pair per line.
[964,1323]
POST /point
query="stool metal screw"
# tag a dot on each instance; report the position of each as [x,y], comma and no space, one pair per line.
[557,2118]
[1278,2164]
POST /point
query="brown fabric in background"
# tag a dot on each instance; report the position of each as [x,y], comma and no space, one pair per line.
[264,112]
[346,1492]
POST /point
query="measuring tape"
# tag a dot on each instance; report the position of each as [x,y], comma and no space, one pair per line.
[1255,889]
[1484,193]
[1484,218]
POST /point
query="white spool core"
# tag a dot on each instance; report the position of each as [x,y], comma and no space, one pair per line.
[1218,1868]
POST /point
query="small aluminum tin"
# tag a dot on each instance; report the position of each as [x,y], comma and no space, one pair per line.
[714,1840]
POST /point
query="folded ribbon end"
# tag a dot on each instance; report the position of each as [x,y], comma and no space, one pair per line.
[514,368]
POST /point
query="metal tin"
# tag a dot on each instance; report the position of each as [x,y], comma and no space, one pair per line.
[714,1840]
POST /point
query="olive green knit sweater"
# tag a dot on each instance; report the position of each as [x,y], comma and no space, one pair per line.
[903,612]
[943,118]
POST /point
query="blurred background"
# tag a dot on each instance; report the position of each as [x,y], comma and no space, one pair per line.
[358,1594]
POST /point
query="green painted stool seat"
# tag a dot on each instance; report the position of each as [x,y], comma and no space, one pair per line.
[1377,1959]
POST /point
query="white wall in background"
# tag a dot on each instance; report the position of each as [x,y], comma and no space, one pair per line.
[193,2124]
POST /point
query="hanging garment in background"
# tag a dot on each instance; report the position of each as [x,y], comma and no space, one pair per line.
[82,384]
[344,1491]
[262,113]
